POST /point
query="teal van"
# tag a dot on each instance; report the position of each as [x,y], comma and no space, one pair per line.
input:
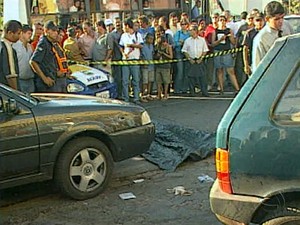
[258,144]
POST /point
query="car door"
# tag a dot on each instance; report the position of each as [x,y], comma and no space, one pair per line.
[19,144]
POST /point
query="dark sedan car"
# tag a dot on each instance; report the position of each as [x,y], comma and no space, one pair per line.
[71,138]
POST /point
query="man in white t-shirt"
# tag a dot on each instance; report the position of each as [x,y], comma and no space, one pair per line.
[130,45]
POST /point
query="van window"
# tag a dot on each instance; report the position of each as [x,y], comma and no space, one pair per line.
[288,106]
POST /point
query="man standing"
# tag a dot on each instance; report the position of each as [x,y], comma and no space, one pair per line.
[274,13]
[87,40]
[9,68]
[248,42]
[71,46]
[130,44]
[114,39]
[102,50]
[196,10]
[24,53]
[195,48]
[43,61]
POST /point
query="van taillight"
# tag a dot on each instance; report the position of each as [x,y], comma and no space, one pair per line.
[222,166]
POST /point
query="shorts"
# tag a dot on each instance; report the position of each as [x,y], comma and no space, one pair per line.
[223,61]
[147,76]
[163,75]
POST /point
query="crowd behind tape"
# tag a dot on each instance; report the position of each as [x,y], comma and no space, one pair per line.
[147,62]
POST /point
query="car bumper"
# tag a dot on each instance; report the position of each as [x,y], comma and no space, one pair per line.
[133,142]
[232,209]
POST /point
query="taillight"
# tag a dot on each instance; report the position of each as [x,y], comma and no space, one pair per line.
[222,166]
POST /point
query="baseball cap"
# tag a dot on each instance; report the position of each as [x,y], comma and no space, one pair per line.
[108,22]
[50,25]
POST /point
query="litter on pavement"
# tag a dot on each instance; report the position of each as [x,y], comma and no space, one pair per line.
[138,181]
[126,196]
[179,190]
[205,179]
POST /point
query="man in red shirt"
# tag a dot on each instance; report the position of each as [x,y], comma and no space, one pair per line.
[210,29]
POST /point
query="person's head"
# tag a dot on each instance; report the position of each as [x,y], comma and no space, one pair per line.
[202,24]
[101,28]
[118,23]
[61,35]
[227,15]
[12,30]
[71,32]
[82,5]
[254,11]
[109,25]
[250,19]
[259,21]
[184,24]
[37,29]
[26,33]
[159,31]
[78,31]
[77,3]
[244,15]
[222,21]
[149,38]
[155,22]
[198,3]
[136,25]
[162,40]
[193,31]
[163,21]
[194,22]
[274,13]
[35,10]
[128,25]
[51,30]
[173,18]
[144,21]
[87,27]
[184,15]
[215,18]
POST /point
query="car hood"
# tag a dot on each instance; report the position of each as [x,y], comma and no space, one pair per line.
[88,75]
[73,99]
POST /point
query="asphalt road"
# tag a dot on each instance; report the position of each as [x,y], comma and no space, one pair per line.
[40,204]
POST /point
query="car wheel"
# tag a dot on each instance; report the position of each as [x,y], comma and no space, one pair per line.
[84,168]
[285,220]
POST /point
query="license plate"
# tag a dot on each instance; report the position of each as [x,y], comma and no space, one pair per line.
[104,94]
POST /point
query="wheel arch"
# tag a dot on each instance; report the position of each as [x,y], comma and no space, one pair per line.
[94,132]
[279,204]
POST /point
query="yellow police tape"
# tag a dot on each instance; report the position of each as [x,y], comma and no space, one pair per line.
[148,62]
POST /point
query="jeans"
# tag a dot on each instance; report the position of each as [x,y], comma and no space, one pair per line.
[134,71]
[180,81]
[26,86]
[116,72]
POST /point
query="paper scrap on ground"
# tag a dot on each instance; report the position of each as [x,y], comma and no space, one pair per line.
[179,190]
[126,196]
[205,179]
[138,181]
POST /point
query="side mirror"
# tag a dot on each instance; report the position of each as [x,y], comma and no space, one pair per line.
[11,106]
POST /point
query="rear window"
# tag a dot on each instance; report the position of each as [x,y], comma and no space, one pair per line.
[288,106]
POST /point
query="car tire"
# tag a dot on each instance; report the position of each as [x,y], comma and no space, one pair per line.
[285,220]
[84,168]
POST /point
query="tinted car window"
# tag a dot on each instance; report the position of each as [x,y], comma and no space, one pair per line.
[288,106]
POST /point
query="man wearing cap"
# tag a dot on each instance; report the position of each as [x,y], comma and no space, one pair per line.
[43,61]
[9,68]
[71,46]
[24,53]
[109,25]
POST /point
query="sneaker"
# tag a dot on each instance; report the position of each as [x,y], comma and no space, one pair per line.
[143,99]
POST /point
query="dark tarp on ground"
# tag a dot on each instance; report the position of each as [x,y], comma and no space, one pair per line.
[174,143]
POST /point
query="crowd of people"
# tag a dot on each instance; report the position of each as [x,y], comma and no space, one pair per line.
[35,59]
